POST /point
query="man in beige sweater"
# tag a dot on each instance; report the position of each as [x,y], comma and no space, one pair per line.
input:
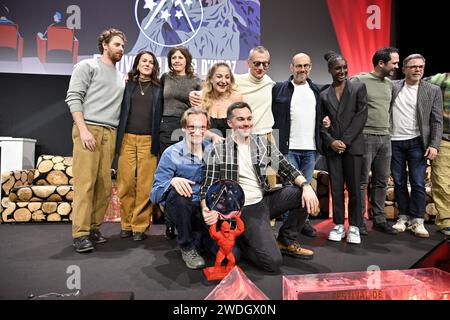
[256,89]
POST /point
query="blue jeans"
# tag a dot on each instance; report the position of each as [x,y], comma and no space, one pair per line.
[303,160]
[409,153]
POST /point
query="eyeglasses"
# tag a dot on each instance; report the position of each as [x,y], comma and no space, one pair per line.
[265,64]
[421,67]
[195,128]
[303,66]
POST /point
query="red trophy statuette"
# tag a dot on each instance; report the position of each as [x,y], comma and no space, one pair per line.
[227,198]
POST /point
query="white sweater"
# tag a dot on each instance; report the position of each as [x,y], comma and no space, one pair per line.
[258,95]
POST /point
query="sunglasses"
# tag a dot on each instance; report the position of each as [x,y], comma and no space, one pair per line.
[265,64]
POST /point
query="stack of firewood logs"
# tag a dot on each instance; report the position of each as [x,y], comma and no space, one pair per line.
[41,194]
[390,205]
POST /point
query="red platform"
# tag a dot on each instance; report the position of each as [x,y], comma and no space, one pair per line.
[413,284]
[216,273]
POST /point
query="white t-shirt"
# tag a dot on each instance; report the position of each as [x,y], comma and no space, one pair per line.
[404,114]
[247,176]
[303,118]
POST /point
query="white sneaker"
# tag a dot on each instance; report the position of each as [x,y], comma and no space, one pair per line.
[418,228]
[337,233]
[353,235]
[402,223]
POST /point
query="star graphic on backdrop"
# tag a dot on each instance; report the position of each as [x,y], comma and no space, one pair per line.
[188,2]
[165,14]
[179,14]
[149,4]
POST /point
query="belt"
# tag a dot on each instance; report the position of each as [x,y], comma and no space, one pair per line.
[376,134]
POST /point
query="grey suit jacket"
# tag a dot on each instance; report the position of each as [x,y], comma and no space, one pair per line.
[348,117]
[429,111]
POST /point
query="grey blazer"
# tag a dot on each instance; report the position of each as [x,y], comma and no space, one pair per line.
[347,116]
[429,111]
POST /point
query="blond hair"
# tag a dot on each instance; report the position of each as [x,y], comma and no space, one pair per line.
[208,90]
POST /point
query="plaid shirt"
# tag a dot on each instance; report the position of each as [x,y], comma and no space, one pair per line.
[222,163]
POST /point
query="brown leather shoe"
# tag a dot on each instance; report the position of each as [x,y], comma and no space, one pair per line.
[295,250]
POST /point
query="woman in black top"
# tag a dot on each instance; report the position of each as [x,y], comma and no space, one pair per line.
[219,92]
[136,163]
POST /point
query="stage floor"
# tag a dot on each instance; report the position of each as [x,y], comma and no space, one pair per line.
[38,259]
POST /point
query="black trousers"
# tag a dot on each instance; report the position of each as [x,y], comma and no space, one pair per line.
[169,133]
[257,243]
[346,168]
[187,217]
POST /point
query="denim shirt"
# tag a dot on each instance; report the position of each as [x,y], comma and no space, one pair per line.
[177,161]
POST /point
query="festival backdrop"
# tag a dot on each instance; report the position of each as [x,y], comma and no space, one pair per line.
[212,30]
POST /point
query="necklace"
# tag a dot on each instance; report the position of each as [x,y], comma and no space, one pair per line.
[143,89]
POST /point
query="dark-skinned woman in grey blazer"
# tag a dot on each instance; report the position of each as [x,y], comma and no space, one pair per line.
[345,103]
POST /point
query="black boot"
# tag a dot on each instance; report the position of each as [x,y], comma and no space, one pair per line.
[170,232]
[308,230]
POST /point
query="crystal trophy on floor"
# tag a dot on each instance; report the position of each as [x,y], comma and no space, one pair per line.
[227,198]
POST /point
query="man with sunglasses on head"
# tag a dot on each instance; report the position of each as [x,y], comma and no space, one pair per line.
[296,109]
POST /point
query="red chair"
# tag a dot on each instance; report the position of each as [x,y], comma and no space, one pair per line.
[58,38]
[10,38]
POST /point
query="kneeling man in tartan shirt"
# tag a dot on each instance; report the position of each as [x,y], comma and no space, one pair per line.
[245,158]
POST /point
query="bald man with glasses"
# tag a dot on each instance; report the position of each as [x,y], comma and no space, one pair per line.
[296,109]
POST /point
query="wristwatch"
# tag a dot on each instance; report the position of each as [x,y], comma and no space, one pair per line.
[306,183]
